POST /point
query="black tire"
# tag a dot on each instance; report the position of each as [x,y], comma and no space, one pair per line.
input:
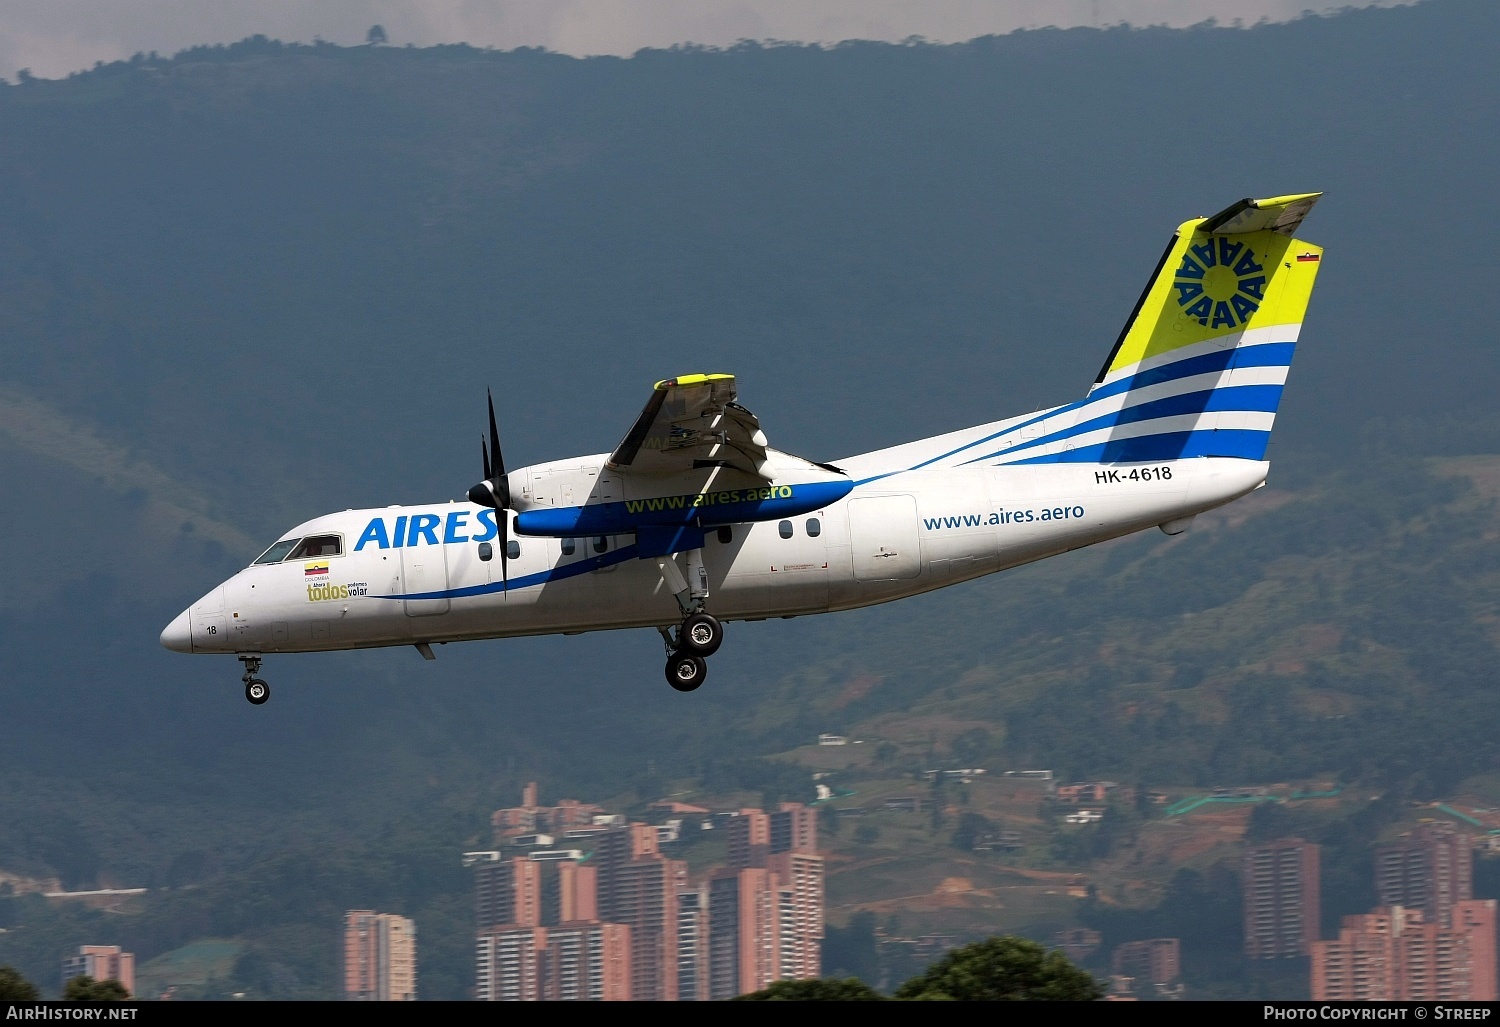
[257,691]
[686,672]
[701,635]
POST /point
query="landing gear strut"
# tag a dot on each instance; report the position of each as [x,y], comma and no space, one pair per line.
[700,634]
[256,690]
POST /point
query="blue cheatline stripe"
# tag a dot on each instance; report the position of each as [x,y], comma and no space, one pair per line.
[1259,398]
[1270,354]
[704,510]
[569,570]
[1237,442]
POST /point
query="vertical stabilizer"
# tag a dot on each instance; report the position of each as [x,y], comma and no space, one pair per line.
[1199,367]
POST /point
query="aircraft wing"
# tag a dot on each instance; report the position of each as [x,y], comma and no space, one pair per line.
[692,421]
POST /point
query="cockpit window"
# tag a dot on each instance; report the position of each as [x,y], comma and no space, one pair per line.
[279,550]
[315,546]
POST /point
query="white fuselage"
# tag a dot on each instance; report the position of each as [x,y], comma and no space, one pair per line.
[896,534]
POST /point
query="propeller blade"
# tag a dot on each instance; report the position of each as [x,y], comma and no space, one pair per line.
[486,451]
[495,440]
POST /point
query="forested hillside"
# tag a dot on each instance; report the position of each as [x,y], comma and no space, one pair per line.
[249,284]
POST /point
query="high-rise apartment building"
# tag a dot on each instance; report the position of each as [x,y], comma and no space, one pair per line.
[507,892]
[569,962]
[1157,960]
[1429,868]
[645,898]
[745,928]
[798,880]
[743,932]
[1281,899]
[587,962]
[380,957]
[1395,954]
[749,839]
[508,963]
[755,836]
[102,963]
[794,828]
[578,892]
[692,945]
[638,887]
[615,849]
[1479,921]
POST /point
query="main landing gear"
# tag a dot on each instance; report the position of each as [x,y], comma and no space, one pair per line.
[256,690]
[697,637]
[700,634]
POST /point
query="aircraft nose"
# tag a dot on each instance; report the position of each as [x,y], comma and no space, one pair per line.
[178,635]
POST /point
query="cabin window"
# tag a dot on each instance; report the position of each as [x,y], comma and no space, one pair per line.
[569,546]
[486,552]
[814,527]
[726,534]
[315,546]
[512,550]
[601,543]
[279,550]
[785,529]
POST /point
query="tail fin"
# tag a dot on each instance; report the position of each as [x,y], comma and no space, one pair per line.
[1200,365]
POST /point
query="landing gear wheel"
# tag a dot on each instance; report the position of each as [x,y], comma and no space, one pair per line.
[701,635]
[685,671]
[257,691]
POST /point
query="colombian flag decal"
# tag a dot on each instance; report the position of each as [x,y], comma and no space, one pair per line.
[315,570]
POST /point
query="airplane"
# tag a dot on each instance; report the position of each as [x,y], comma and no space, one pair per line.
[694,519]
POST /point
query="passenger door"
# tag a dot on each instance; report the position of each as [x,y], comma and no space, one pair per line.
[424,572]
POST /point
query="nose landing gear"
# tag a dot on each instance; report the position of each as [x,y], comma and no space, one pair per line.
[256,690]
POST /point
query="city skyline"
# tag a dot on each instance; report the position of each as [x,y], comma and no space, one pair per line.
[657,932]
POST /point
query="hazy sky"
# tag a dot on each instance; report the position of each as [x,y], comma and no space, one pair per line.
[54,37]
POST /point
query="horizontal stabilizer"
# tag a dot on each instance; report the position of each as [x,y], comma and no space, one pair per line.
[1280,214]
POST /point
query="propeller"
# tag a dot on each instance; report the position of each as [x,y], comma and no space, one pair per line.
[494,490]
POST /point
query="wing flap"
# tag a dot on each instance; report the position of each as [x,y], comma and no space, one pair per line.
[692,421]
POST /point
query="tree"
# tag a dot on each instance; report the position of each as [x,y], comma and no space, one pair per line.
[86,989]
[376,35]
[1003,968]
[972,827]
[851,951]
[850,989]
[15,988]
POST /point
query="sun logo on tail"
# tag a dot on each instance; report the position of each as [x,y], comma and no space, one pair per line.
[1220,283]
